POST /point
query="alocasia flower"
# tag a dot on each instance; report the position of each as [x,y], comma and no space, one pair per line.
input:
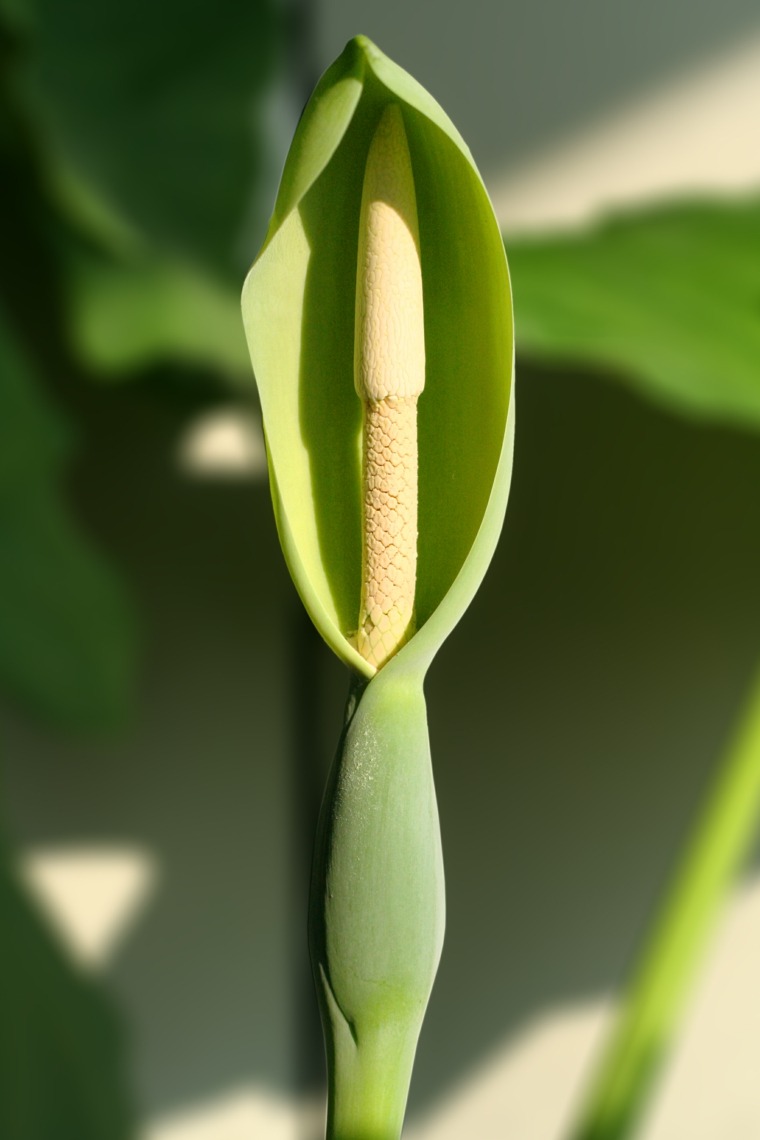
[379,320]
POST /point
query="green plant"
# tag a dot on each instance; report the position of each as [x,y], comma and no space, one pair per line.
[336,349]
[118,259]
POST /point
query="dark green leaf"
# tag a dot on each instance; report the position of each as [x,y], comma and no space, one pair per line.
[33,437]
[66,634]
[66,648]
[669,299]
[157,109]
[61,1062]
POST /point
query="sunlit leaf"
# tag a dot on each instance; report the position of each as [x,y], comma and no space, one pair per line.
[668,300]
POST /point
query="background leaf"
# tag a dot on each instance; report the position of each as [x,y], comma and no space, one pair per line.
[147,130]
[66,636]
[60,1054]
[125,315]
[668,298]
[155,108]
[33,438]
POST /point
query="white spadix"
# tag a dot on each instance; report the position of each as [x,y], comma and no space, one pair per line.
[389,374]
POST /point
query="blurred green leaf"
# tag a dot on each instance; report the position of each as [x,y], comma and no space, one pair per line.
[61,1064]
[668,298]
[146,126]
[66,634]
[124,315]
[66,647]
[157,108]
[33,437]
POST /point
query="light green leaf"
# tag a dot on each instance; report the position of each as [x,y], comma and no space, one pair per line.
[298,307]
[669,299]
[125,315]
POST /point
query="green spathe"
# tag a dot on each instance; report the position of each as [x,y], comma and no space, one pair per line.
[298,306]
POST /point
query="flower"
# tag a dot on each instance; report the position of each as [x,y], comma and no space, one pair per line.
[299,308]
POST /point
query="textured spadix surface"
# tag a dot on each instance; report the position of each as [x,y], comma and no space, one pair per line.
[299,313]
[389,374]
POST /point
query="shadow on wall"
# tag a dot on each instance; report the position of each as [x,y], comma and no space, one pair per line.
[575,717]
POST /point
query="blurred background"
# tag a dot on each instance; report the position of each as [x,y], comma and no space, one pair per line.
[167,713]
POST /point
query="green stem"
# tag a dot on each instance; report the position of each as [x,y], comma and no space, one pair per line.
[713,856]
[369,1083]
[377,906]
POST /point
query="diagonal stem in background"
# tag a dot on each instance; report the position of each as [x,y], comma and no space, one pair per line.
[671,953]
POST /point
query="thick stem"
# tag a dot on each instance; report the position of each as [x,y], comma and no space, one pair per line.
[714,854]
[369,1084]
[377,906]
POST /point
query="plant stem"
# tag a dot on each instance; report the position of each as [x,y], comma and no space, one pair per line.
[369,1081]
[377,905]
[649,1015]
